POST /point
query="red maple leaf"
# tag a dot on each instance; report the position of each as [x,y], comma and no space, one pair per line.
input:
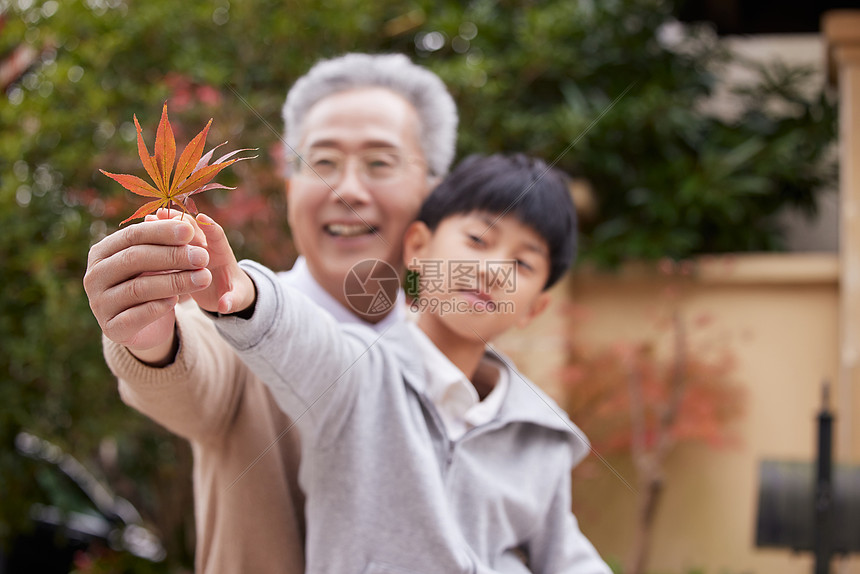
[193,171]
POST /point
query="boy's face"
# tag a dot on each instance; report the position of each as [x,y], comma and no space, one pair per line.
[480,274]
[353,205]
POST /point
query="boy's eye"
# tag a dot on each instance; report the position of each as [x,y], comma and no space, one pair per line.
[476,239]
[524,265]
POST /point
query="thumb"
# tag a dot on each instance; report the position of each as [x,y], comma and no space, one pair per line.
[235,290]
[220,252]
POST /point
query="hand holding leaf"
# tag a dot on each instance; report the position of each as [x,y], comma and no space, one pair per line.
[193,172]
[229,289]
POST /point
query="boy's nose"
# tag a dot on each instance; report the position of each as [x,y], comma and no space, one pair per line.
[495,272]
[485,280]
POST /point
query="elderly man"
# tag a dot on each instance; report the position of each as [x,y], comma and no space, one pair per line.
[373,134]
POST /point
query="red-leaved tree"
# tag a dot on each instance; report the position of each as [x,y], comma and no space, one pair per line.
[641,399]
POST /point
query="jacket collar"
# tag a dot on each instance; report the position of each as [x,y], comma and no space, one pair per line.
[524,402]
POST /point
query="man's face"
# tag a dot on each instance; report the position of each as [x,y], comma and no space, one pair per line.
[356,210]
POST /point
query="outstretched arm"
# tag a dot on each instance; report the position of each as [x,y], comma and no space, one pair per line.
[197,395]
[310,363]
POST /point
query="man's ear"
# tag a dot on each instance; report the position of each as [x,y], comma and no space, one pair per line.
[538,306]
[416,242]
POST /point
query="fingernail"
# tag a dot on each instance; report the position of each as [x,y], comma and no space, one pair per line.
[183,232]
[200,277]
[197,256]
[203,218]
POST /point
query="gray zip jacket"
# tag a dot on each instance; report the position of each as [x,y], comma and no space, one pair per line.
[387,491]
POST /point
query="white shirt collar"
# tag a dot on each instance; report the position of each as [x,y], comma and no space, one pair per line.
[300,278]
[453,394]
[486,410]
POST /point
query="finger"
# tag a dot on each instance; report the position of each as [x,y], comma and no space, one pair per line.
[166,232]
[149,288]
[167,213]
[140,259]
[216,240]
[238,292]
[225,304]
[199,238]
[199,235]
[124,327]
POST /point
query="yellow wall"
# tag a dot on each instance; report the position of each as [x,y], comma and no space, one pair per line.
[779,316]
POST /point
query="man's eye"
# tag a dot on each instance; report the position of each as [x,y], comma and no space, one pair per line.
[323,164]
[380,165]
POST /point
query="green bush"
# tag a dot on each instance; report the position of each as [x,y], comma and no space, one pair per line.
[670,180]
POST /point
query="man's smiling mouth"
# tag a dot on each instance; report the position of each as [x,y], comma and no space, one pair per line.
[349,229]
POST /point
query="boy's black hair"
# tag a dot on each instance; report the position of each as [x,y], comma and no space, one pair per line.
[517,185]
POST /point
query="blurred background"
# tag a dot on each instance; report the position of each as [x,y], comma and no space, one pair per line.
[690,343]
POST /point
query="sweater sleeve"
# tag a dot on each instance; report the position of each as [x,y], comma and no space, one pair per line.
[312,365]
[559,546]
[194,397]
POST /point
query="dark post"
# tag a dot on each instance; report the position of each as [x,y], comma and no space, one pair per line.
[823,532]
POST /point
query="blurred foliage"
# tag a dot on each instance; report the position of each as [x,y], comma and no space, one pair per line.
[669,178]
[612,90]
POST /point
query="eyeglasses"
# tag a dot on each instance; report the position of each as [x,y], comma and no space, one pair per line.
[375,166]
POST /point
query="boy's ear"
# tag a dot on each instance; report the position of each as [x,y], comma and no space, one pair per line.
[538,306]
[416,241]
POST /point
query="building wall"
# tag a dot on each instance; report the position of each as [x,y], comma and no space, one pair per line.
[778,316]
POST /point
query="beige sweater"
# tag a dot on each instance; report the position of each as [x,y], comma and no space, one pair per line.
[248,505]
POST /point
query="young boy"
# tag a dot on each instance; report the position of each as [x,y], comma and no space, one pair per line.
[425,450]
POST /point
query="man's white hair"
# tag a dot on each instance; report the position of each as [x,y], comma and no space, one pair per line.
[419,86]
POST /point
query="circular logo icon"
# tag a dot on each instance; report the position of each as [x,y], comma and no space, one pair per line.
[371,287]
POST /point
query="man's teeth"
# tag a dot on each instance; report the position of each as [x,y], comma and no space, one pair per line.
[348,229]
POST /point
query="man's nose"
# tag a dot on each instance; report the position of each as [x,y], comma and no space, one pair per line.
[351,189]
